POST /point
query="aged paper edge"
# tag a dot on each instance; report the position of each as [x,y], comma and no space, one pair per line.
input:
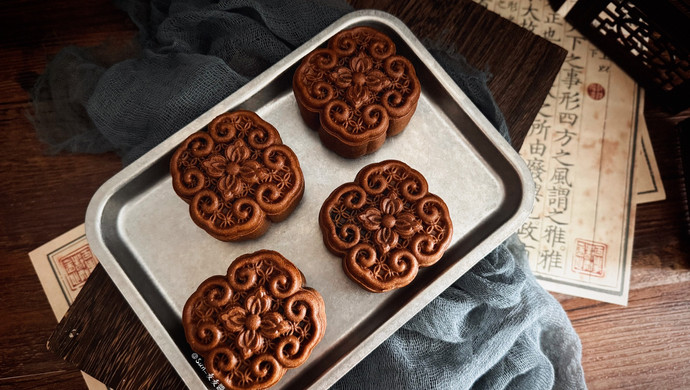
[647,167]
[58,299]
[618,296]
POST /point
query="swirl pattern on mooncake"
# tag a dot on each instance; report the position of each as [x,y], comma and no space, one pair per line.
[385,225]
[357,91]
[237,176]
[254,323]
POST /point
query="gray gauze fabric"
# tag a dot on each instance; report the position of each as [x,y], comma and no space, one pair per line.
[494,328]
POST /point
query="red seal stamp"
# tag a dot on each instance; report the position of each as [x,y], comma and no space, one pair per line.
[590,258]
[77,266]
[596,91]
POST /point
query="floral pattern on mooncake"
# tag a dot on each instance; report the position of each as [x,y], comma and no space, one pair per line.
[237,176]
[385,225]
[254,323]
[357,91]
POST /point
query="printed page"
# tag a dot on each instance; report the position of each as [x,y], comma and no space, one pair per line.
[580,150]
[63,265]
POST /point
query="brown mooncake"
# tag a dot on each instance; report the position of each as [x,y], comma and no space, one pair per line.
[385,225]
[237,176]
[254,323]
[357,91]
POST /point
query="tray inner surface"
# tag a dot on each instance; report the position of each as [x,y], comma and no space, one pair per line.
[148,229]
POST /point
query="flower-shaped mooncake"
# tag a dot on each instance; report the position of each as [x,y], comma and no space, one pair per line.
[237,176]
[255,322]
[385,225]
[357,91]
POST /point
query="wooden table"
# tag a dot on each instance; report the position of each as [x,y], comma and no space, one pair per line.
[646,345]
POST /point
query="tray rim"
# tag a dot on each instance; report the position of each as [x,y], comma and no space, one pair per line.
[153,324]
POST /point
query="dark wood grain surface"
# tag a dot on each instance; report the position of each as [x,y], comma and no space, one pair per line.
[41,196]
[102,335]
[645,345]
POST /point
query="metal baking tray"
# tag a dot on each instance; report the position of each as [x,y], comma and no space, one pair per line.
[141,232]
